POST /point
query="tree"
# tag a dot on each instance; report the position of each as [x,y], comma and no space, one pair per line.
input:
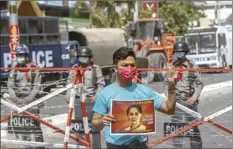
[145,14]
[178,14]
[80,9]
[102,13]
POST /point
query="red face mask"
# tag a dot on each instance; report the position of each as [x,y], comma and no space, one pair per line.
[127,74]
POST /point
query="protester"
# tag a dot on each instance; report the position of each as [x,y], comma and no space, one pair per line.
[124,89]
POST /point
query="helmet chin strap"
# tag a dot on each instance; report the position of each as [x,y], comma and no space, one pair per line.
[84,64]
[179,61]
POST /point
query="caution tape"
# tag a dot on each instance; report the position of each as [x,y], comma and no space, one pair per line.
[191,70]
[46,69]
[139,69]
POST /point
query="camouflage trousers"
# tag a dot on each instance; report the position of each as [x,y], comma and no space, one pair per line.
[182,116]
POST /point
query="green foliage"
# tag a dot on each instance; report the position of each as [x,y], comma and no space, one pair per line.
[145,14]
[178,14]
[78,9]
[103,13]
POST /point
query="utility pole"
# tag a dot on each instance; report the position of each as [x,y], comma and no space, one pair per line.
[219,7]
[217,13]
[135,16]
[13,28]
[91,6]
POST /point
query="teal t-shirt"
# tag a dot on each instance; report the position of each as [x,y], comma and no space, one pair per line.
[135,91]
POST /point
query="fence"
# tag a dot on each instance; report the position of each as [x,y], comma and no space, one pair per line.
[77,84]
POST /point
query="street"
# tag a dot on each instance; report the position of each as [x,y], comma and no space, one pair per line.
[211,102]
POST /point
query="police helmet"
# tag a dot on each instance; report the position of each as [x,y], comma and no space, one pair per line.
[73,48]
[84,52]
[73,45]
[181,47]
[21,49]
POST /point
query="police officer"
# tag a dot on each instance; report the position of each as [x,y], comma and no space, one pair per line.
[23,88]
[93,83]
[188,90]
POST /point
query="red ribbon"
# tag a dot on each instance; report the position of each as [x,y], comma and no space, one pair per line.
[180,73]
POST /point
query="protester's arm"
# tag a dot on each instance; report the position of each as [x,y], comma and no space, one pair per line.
[165,82]
[168,106]
[100,116]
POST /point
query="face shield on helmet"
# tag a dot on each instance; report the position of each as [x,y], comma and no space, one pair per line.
[21,53]
[21,60]
[84,60]
[179,57]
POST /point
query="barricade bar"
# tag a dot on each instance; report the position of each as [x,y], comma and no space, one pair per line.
[5,117]
[76,83]
[77,80]
[192,125]
[83,142]
[220,126]
[178,132]
[46,97]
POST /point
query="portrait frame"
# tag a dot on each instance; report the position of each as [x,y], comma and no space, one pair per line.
[146,122]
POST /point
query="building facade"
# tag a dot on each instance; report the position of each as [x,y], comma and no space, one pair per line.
[216,12]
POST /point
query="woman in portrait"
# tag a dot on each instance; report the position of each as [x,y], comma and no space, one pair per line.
[134,113]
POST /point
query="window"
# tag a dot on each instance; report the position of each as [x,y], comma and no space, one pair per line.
[145,30]
[35,26]
[36,40]
[22,26]
[193,42]
[4,26]
[52,39]
[221,40]
[51,26]
[4,40]
[24,39]
[63,28]
[208,40]
[207,43]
